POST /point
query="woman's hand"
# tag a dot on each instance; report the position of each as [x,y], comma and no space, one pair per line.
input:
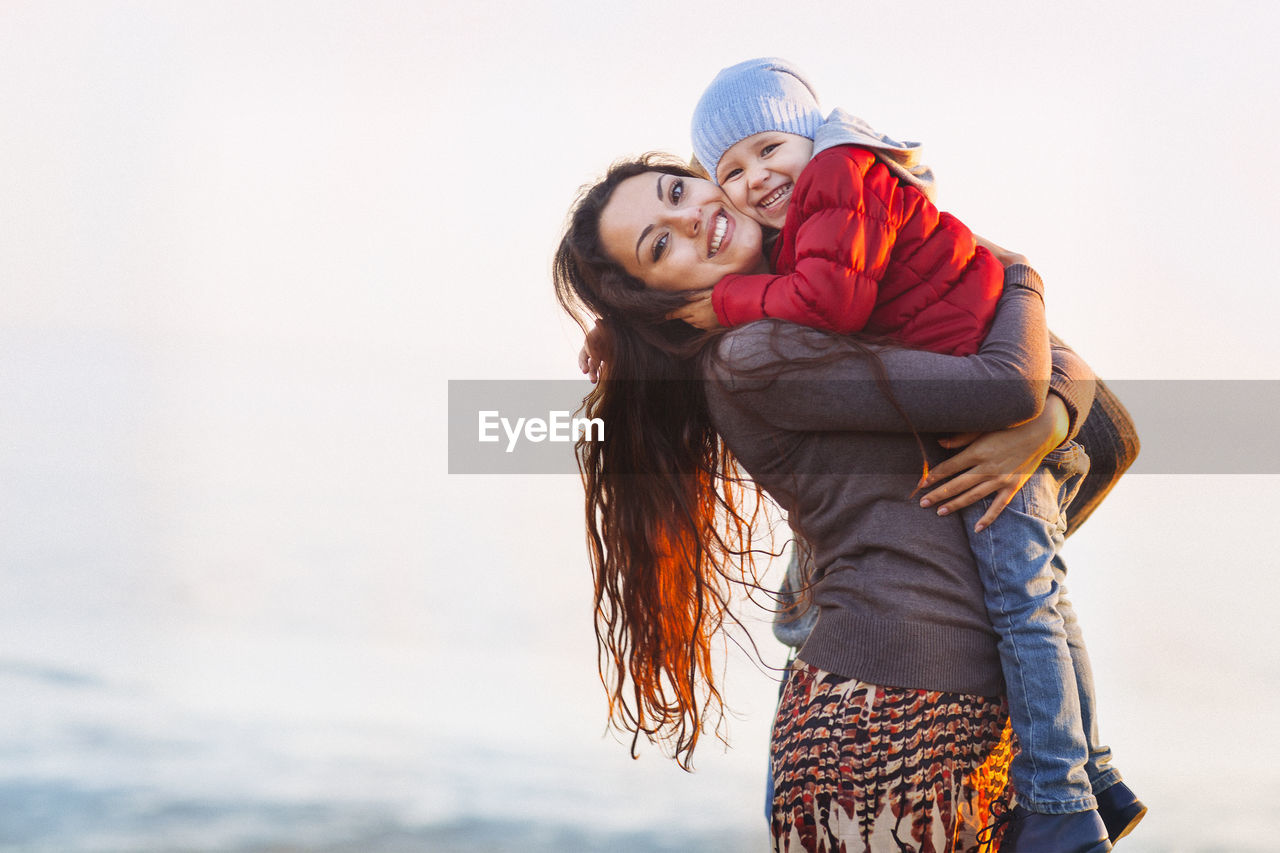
[1004,256]
[995,462]
[698,312]
[596,350]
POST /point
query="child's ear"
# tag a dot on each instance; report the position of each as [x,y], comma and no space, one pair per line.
[698,167]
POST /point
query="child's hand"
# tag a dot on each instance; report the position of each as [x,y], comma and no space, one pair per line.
[596,350]
[698,312]
[1004,256]
[995,463]
[588,364]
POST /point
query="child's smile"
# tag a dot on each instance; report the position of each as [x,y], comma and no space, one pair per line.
[782,195]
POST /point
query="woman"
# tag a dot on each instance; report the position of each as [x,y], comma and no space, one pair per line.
[890,730]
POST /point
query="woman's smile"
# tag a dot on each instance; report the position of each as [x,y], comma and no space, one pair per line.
[721,233]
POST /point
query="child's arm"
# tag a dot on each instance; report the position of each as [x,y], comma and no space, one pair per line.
[833,260]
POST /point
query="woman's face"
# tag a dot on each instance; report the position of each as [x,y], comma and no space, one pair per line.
[676,233]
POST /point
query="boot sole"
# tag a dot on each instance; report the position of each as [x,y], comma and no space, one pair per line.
[1132,823]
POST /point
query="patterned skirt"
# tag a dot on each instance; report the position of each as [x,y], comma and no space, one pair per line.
[859,768]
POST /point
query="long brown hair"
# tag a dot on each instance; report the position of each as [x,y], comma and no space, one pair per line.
[669,514]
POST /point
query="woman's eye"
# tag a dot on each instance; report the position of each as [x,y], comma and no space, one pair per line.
[659,246]
[677,191]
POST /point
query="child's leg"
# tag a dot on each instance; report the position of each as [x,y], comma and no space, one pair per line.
[1014,557]
[1098,766]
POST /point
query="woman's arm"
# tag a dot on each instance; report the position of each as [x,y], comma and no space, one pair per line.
[803,380]
[998,463]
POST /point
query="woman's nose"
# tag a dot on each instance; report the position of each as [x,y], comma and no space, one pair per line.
[689,220]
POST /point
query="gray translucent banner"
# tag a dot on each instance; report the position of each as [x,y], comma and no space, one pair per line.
[494,426]
[1185,426]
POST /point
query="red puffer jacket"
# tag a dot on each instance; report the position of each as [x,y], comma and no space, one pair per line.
[861,252]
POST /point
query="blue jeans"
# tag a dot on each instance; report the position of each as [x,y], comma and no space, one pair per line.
[1048,679]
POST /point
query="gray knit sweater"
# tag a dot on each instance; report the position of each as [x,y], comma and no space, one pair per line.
[899,597]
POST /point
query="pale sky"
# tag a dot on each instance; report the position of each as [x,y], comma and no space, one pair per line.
[254,169]
[349,204]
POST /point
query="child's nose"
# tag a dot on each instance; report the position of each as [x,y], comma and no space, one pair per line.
[757,177]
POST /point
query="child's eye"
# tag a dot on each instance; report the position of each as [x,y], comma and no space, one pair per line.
[677,191]
[729,177]
[659,246]
[769,149]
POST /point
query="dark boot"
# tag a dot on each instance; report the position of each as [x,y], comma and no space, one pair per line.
[1120,810]
[1032,832]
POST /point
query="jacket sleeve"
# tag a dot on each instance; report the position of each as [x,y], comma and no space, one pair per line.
[799,379]
[842,244]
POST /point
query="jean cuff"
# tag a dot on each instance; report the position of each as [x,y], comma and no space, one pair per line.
[1105,781]
[1083,804]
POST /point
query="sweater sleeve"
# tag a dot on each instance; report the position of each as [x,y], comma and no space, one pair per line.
[842,242]
[1073,381]
[799,379]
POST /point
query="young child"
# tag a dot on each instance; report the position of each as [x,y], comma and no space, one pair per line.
[862,248]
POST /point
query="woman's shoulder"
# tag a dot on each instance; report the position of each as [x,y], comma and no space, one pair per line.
[743,342]
[762,341]
[768,349]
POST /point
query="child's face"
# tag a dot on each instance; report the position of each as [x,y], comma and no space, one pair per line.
[759,172]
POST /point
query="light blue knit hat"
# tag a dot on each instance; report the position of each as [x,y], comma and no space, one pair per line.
[749,98]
